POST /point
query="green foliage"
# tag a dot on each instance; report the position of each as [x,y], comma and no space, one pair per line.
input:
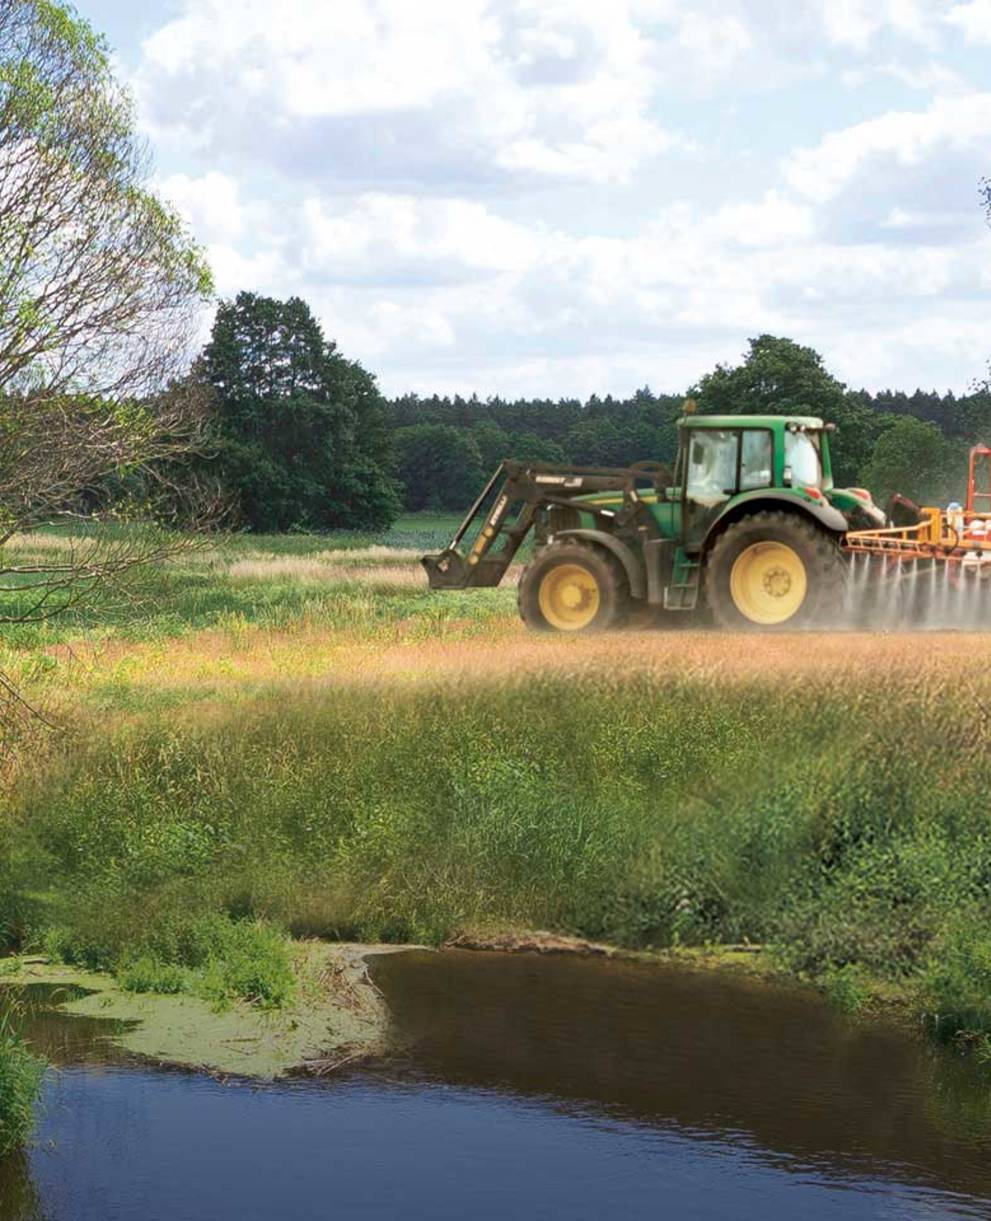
[21,1073]
[847,988]
[80,200]
[622,808]
[172,950]
[781,377]
[300,436]
[244,960]
[777,377]
[957,975]
[149,974]
[914,458]
[438,466]
[603,431]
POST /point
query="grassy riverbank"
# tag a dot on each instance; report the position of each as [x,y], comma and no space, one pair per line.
[319,744]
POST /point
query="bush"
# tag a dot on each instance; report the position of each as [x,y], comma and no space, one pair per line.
[149,974]
[209,954]
[241,960]
[957,978]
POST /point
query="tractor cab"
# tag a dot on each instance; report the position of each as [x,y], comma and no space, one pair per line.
[724,458]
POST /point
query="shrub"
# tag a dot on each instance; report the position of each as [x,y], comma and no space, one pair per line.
[957,978]
[149,974]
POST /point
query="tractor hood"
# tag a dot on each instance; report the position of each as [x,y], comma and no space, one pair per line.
[858,507]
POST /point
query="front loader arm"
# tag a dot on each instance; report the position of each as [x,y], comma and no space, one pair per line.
[526,491]
[450,569]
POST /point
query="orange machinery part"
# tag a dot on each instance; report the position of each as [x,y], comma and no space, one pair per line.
[940,534]
[980,455]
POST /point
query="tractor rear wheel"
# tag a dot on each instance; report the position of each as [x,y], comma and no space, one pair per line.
[774,571]
[573,587]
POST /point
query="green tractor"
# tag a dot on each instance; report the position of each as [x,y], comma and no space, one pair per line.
[748,524]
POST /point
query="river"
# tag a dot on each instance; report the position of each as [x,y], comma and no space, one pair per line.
[532,1087]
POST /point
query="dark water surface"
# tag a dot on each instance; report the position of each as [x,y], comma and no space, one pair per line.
[533,1088]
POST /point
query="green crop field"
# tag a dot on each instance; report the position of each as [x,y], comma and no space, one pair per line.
[296,733]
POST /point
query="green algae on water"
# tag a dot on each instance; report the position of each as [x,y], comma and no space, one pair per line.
[337,1017]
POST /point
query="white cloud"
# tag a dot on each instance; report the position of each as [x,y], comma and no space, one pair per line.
[856,23]
[906,138]
[973,19]
[715,41]
[378,87]
[556,197]
[210,204]
[400,232]
[933,77]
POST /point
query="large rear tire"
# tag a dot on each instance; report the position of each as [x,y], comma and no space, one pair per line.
[573,587]
[774,571]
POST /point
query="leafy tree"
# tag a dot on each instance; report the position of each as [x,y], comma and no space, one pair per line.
[914,458]
[493,443]
[99,288]
[602,441]
[777,376]
[528,447]
[440,466]
[301,436]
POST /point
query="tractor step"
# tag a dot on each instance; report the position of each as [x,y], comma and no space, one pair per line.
[683,594]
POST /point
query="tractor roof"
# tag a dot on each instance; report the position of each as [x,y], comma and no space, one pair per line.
[809,422]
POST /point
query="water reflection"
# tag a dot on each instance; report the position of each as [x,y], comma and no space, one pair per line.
[531,1087]
[705,1053]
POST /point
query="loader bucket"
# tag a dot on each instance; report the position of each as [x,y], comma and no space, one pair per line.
[446,569]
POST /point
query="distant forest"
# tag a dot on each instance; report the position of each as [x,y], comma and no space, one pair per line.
[889,441]
[298,437]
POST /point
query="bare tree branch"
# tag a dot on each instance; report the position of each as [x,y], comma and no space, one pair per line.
[99,290]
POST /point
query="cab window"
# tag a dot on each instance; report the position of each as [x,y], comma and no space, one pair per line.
[712,464]
[802,457]
[756,460]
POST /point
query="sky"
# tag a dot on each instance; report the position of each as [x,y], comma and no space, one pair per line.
[566,197]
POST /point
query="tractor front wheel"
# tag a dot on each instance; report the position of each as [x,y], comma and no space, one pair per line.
[773,571]
[573,587]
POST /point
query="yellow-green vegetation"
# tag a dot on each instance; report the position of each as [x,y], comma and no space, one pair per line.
[21,1072]
[328,749]
[332,1015]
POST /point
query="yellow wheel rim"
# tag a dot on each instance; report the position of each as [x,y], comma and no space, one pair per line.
[768,583]
[568,597]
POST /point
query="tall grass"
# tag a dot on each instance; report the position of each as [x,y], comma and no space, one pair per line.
[847,828]
[21,1073]
[365,582]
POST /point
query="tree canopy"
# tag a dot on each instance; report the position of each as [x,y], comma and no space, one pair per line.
[300,431]
[439,466]
[913,457]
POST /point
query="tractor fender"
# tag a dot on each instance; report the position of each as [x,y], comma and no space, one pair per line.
[823,514]
[626,556]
